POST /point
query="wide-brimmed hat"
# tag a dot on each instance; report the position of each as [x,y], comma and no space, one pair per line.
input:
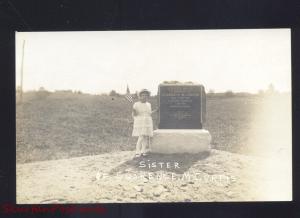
[144,91]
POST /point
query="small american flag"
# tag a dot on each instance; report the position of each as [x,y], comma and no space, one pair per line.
[128,96]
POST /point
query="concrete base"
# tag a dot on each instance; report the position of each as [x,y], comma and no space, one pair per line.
[169,141]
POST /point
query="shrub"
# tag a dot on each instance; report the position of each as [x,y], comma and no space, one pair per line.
[229,93]
[113,93]
[42,93]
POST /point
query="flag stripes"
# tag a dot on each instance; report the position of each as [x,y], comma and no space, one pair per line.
[129,98]
[128,95]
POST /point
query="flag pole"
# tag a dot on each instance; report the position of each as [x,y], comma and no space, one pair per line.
[22,66]
[129,99]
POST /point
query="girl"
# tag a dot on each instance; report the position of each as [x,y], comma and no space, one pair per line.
[143,124]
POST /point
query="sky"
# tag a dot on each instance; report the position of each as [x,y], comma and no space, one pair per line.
[97,62]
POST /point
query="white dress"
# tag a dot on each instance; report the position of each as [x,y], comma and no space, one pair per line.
[143,124]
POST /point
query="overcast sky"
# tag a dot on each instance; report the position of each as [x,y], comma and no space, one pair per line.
[95,62]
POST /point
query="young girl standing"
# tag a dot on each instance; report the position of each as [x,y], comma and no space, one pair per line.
[143,124]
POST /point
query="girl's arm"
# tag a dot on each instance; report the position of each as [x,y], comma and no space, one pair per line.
[134,112]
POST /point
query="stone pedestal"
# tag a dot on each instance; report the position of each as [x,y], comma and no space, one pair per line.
[169,141]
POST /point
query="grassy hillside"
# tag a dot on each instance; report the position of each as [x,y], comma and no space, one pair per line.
[61,125]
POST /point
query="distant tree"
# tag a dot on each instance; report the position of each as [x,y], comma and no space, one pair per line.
[113,93]
[261,92]
[64,91]
[211,91]
[229,93]
[42,93]
[41,89]
[271,90]
[271,87]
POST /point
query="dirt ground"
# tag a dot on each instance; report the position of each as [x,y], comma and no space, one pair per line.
[117,177]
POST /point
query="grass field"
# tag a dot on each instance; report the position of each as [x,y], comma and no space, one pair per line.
[62,125]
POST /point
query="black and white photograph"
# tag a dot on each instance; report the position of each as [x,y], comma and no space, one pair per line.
[153,116]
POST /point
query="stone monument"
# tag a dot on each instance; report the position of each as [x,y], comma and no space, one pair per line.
[182,111]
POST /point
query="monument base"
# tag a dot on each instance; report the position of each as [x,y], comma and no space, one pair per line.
[169,141]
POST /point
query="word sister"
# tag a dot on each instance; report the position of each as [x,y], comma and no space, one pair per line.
[162,165]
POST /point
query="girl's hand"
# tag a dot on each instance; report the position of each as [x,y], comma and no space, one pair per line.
[156,110]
